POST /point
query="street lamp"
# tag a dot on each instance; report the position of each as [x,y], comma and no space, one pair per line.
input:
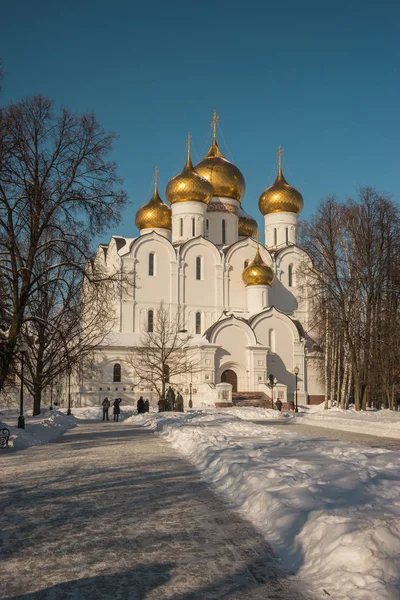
[51,396]
[296,372]
[21,418]
[272,383]
[69,370]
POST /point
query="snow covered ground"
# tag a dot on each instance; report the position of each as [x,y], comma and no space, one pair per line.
[330,509]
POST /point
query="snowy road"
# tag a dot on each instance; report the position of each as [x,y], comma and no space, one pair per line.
[113,511]
[373,441]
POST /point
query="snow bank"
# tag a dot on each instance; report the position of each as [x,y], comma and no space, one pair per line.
[38,430]
[330,510]
[385,423]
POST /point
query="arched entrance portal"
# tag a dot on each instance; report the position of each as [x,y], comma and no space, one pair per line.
[230,376]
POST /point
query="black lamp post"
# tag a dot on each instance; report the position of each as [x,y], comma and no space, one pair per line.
[51,396]
[21,418]
[296,372]
[69,390]
[272,383]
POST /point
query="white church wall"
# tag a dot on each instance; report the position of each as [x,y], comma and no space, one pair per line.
[201,283]
[275,330]
[289,294]
[149,289]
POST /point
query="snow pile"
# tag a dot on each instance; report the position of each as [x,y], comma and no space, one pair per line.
[385,423]
[330,510]
[38,430]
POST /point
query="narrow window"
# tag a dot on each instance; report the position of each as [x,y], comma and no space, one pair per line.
[206,235]
[275,237]
[193,228]
[287,236]
[198,268]
[150,321]
[151,264]
[290,276]
[223,231]
[181,227]
[117,373]
[198,323]
[246,264]
[271,340]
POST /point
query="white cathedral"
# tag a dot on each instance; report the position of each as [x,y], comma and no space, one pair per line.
[240,302]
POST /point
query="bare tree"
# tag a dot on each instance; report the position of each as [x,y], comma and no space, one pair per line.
[165,353]
[57,190]
[354,248]
[67,321]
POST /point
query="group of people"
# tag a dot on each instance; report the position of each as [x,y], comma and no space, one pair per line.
[143,406]
[106,406]
[171,402]
[279,405]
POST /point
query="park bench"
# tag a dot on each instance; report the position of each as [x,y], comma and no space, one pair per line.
[4,437]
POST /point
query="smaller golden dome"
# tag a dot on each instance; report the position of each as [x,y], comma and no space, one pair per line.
[247,225]
[280,196]
[258,273]
[188,185]
[154,214]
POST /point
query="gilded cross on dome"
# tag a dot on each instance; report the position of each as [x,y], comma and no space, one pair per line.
[214,125]
[155,179]
[258,235]
[188,143]
[279,155]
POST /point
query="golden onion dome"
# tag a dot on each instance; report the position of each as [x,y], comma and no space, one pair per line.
[226,179]
[247,225]
[154,214]
[258,273]
[188,185]
[280,197]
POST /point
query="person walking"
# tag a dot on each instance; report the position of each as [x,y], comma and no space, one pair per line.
[106,406]
[140,405]
[146,406]
[117,409]
[278,405]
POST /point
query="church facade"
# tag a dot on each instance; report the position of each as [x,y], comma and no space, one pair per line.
[241,303]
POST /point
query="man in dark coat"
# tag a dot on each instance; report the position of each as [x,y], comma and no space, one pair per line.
[140,405]
[179,403]
[146,406]
[170,399]
[106,406]
[117,409]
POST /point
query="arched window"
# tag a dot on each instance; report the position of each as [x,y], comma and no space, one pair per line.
[275,237]
[290,276]
[181,227]
[198,323]
[193,227]
[287,236]
[271,340]
[198,267]
[223,231]
[117,373]
[246,264]
[151,263]
[150,321]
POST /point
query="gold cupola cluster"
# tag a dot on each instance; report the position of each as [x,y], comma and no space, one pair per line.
[189,185]
[258,273]
[247,225]
[280,196]
[154,214]
[226,179]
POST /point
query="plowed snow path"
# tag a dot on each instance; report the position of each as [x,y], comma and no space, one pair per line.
[112,511]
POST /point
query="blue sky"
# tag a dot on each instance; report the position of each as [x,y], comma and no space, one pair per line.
[320,79]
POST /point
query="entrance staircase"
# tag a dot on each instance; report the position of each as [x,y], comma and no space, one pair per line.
[258,399]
